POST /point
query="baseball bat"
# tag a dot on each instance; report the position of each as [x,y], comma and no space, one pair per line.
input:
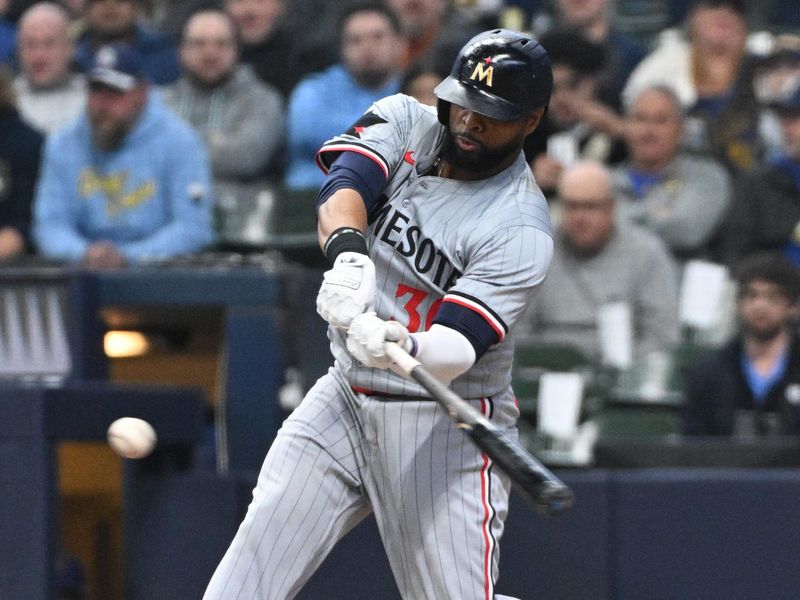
[548,494]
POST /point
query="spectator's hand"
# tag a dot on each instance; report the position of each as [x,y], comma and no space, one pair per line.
[348,289]
[599,117]
[367,337]
[103,255]
[546,171]
[11,243]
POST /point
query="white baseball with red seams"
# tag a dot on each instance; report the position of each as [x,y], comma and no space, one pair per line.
[131,437]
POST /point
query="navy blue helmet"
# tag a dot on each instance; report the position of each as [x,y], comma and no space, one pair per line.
[501,74]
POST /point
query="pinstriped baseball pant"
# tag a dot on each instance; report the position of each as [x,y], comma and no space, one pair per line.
[438,501]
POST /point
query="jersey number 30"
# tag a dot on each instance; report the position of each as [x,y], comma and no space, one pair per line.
[411,307]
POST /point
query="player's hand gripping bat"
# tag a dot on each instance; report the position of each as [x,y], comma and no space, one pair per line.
[548,494]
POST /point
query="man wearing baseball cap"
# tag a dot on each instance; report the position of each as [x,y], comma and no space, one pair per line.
[766,213]
[127,181]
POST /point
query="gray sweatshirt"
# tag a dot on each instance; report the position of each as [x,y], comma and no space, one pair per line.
[241,121]
[685,208]
[634,267]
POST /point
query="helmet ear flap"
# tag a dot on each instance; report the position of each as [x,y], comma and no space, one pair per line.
[443,111]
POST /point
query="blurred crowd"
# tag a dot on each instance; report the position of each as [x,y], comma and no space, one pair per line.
[691,105]
[133,130]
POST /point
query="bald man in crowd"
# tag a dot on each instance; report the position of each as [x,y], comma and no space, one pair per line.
[598,261]
[49,93]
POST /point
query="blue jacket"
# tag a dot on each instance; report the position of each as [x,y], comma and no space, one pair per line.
[716,389]
[150,197]
[158,53]
[322,106]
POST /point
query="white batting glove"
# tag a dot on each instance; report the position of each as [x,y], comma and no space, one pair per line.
[348,289]
[367,337]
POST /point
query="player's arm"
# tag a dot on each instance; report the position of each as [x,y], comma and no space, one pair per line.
[351,188]
[444,352]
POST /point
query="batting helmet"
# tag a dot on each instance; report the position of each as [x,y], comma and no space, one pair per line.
[501,74]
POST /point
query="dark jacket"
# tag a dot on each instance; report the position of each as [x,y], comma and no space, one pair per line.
[764,213]
[716,389]
[20,155]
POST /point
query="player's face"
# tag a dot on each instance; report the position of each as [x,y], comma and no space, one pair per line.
[764,309]
[371,49]
[482,145]
[654,130]
[208,50]
[44,49]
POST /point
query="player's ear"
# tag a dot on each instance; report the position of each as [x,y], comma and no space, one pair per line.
[532,121]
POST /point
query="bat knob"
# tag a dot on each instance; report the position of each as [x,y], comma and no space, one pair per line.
[554,499]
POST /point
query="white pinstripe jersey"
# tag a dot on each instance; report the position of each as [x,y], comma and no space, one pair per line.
[482,245]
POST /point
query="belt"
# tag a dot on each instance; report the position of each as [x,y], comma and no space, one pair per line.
[388,396]
[401,397]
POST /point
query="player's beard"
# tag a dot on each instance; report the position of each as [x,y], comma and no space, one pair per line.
[480,160]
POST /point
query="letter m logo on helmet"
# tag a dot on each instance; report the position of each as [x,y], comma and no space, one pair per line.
[482,72]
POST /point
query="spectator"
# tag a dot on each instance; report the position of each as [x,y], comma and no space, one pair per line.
[681,197]
[576,125]
[313,47]
[766,206]
[117,21]
[599,261]
[777,72]
[327,103]
[432,29]
[240,118]
[420,81]
[20,148]
[267,45]
[712,73]
[49,93]
[594,20]
[127,181]
[752,385]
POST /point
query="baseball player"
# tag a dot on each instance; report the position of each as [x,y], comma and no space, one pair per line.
[437,236]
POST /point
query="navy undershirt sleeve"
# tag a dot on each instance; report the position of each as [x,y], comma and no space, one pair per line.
[357,172]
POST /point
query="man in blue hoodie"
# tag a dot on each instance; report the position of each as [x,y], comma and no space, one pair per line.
[127,181]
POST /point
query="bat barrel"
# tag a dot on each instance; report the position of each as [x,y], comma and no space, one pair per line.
[553,498]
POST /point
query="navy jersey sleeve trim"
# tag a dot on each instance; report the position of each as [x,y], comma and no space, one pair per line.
[328,154]
[472,324]
[353,171]
[471,302]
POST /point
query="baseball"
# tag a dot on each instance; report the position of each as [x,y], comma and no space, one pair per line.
[131,438]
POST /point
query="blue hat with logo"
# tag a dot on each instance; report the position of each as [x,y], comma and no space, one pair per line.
[118,66]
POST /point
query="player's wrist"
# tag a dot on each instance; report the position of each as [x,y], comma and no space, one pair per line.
[344,239]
